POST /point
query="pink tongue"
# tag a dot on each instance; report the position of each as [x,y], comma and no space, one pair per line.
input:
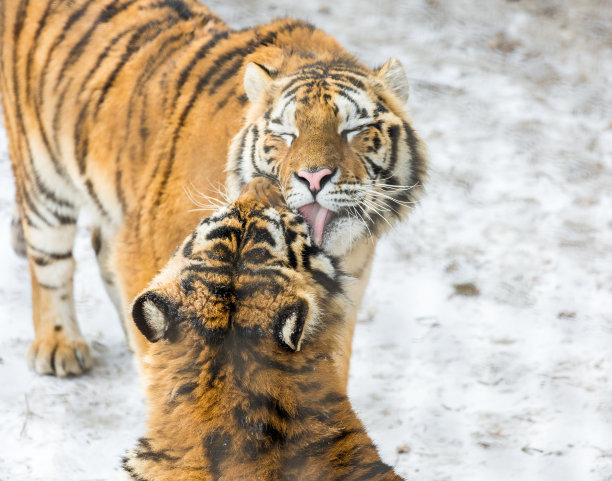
[317,217]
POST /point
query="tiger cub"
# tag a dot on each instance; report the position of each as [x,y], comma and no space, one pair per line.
[240,379]
[130,109]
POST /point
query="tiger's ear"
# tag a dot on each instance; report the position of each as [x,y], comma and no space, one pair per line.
[153,314]
[256,79]
[393,75]
[289,325]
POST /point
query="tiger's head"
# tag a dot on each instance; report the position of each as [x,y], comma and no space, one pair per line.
[247,275]
[338,140]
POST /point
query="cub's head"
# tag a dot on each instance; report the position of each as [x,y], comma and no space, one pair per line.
[248,277]
[338,139]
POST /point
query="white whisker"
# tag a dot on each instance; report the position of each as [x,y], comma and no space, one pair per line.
[214,202]
[375,208]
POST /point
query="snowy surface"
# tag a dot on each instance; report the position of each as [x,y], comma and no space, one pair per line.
[485,347]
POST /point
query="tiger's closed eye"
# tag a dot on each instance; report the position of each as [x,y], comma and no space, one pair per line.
[348,134]
[287,137]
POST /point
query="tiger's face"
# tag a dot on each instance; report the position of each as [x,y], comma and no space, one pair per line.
[337,139]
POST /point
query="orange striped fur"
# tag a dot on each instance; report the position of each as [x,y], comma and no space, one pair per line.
[240,378]
[131,108]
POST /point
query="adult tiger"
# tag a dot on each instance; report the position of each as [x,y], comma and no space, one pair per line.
[240,381]
[121,106]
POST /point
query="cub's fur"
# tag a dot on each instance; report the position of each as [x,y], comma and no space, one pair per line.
[130,108]
[240,379]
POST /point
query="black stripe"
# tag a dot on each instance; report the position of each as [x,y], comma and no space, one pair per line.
[57,114]
[220,252]
[32,48]
[325,444]
[380,109]
[229,73]
[225,100]
[154,62]
[107,13]
[102,56]
[222,291]
[188,248]
[156,455]
[373,168]
[58,40]
[33,208]
[238,167]
[352,79]
[224,232]
[217,446]
[245,292]
[255,138]
[95,198]
[342,93]
[242,51]
[272,363]
[393,132]
[289,93]
[185,389]
[417,163]
[263,435]
[119,189]
[200,54]
[289,88]
[41,188]
[133,46]
[224,270]
[58,168]
[179,7]
[2,29]
[264,273]
[258,256]
[290,100]
[81,140]
[378,469]
[187,283]
[331,285]
[49,257]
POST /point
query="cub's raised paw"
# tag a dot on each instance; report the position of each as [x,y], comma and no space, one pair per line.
[59,357]
[263,190]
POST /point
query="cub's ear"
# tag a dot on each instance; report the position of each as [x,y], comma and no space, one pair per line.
[154,314]
[289,325]
[256,79]
[393,75]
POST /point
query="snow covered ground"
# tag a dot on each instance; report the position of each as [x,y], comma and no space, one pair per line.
[485,347]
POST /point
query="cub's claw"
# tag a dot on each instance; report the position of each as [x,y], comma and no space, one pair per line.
[59,357]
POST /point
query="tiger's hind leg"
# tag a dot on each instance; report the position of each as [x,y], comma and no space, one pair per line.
[101,246]
[49,228]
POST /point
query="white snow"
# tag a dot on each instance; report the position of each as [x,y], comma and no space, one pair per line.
[513,382]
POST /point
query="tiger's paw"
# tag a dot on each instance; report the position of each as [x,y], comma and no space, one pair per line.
[263,190]
[59,357]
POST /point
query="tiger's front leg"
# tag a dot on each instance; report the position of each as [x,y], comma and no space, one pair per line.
[49,231]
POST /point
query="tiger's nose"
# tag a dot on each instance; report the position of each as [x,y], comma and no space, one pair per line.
[316,178]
